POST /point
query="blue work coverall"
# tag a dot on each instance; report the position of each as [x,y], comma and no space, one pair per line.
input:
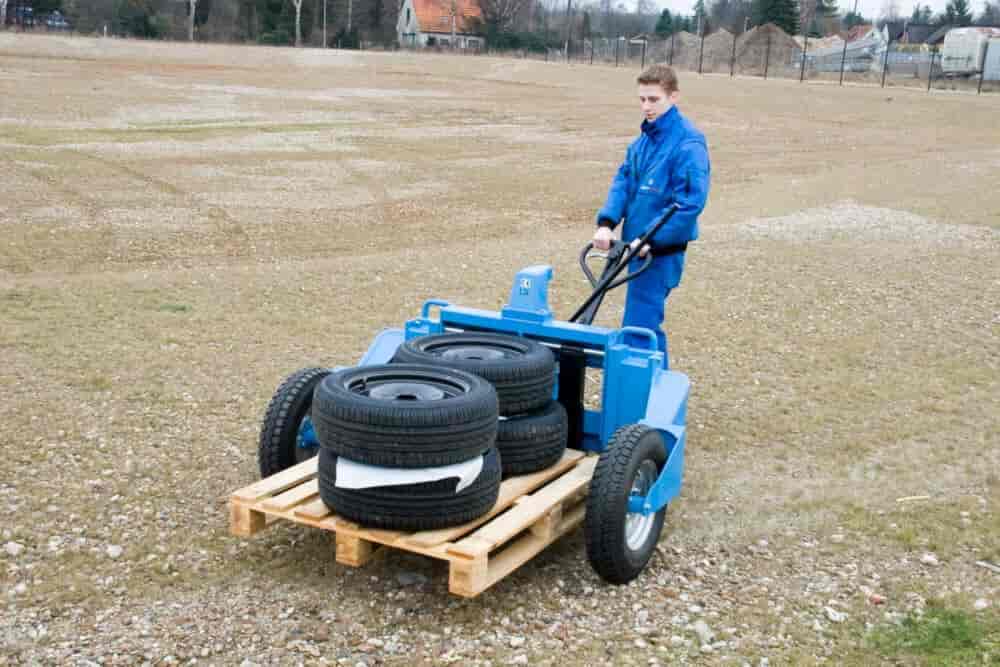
[667,164]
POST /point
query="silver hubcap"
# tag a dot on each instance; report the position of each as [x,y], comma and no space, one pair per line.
[473,353]
[638,526]
[406,391]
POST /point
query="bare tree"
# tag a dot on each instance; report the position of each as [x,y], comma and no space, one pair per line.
[298,21]
[890,10]
[450,8]
[3,13]
[500,14]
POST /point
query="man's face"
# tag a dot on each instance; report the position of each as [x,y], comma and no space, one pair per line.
[654,100]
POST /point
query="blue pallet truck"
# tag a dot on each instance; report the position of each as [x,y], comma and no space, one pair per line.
[638,432]
[629,467]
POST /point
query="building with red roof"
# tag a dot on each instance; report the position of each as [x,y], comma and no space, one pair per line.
[451,23]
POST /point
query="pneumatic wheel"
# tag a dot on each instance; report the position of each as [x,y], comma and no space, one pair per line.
[286,435]
[620,543]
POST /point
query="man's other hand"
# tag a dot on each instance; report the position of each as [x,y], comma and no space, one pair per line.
[602,238]
[643,251]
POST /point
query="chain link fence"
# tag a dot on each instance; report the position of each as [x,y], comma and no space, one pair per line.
[768,52]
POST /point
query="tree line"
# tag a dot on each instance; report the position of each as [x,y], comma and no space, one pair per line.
[506,24]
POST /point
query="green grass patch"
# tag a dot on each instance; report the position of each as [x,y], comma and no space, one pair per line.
[97,383]
[941,637]
[175,308]
[930,525]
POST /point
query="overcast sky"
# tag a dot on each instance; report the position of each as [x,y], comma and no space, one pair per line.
[867,8]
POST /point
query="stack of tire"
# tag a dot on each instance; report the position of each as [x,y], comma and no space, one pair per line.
[422,442]
[532,429]
[403,422]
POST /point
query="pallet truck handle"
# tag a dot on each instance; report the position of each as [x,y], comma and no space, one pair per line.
[617,259]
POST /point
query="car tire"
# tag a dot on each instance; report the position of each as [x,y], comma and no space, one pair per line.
[424,506]
[521,370]
[532,442]
[405,415]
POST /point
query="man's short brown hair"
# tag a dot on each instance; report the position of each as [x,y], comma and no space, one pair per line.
[662,75]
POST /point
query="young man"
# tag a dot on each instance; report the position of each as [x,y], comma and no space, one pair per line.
[667,164]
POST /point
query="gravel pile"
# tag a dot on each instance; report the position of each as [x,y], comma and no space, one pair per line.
[852,222]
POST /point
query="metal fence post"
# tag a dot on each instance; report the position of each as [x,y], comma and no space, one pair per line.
[701,51]
[885,62]
[671,62]
[805,50]
[643,65]
[982,68]
[732,58]
[930,71]
[617,43]
[591,50]
[843,59]
[767,55]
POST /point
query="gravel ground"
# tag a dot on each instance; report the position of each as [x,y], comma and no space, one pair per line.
[182,226]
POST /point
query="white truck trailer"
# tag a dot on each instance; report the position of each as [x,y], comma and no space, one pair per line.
[965,48]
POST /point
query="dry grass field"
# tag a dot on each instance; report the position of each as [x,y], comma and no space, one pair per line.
[182,226]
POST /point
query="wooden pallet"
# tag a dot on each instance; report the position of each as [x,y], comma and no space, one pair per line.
[532,512]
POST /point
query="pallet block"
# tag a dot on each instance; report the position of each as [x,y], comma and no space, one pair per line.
[532,512]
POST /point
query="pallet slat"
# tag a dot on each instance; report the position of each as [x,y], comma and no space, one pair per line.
[531,508]
[314,510]
[471,582]
[278,483]
[292,497]
[510,490]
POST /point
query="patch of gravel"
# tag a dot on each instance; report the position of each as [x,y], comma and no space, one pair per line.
[849,221]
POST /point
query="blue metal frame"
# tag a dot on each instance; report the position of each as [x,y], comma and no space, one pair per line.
[306,437]
[637,386]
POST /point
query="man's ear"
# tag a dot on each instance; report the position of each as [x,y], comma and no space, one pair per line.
[674,97]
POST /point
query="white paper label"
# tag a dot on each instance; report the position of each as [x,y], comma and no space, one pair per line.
[354,475]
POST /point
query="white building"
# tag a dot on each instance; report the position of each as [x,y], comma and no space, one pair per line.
[433,23]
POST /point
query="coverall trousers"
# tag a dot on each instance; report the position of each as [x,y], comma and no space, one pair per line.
[644,304]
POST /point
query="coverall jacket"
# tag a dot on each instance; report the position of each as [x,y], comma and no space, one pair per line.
[667,164]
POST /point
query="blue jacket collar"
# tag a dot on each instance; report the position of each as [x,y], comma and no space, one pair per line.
[661,125]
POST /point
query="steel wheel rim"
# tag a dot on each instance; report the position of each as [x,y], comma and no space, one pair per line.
[404,387]
[475,351]
[639,526]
